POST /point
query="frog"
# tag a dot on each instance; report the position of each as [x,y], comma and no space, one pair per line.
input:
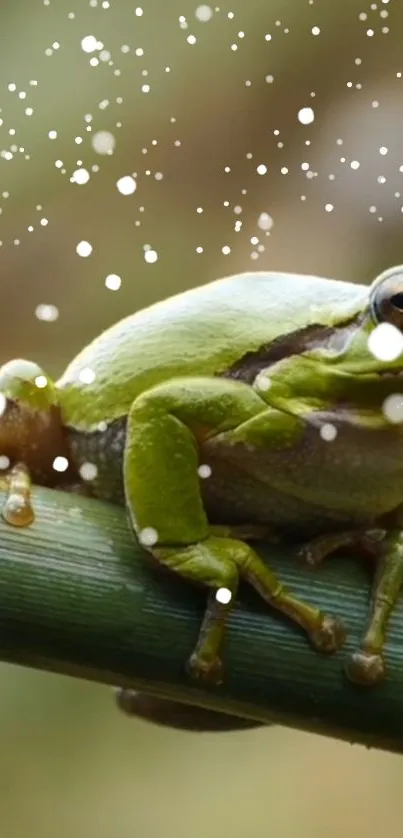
[252,407]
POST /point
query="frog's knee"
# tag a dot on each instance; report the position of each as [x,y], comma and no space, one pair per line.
[208,562]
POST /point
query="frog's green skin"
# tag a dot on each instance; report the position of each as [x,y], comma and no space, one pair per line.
[238,375]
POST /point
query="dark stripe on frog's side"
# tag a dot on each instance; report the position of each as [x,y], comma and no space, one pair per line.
[104,449]
[335,339]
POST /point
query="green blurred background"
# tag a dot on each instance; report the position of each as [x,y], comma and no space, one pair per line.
[195,100]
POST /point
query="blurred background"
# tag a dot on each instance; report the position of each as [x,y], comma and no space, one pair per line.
[145,149]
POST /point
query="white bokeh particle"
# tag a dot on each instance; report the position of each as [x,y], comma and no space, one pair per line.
[262,382]
[87,375]
[204,471]
[88,471]
[204,13]
[150,256]
[113,282]
[306,116]
[47,312]
[223,596]
[103,142]
[126,185]
[385,342]
[265,221]
[60,464]
[393,408]
[89,43]
[3,403]
[80,176]
[148,536]
[84,249]
[328,432]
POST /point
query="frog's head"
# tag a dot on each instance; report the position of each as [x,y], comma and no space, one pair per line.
[31,429]
[368,340]
[353,354]
[375,349]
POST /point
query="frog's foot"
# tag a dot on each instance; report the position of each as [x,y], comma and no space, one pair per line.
[204,669]
[164,711]
[314,552]
[17,509]
[219,563]
[329,635]
[365,668]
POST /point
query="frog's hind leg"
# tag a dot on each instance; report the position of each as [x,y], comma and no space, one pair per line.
[162,490]
[366,665]
[314,552]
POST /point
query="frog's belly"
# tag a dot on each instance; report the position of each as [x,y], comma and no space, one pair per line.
[313,486]
[310,488]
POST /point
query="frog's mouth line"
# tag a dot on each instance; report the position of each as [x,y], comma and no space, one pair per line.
[377,374]
[390,374]
[336,339]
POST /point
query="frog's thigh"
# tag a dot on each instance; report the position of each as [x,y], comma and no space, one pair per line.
[161,459]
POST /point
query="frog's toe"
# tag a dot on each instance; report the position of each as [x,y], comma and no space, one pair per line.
[365,668]
[329,635]
[207,670]
[311,554]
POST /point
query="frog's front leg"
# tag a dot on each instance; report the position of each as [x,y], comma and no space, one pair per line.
[165,428]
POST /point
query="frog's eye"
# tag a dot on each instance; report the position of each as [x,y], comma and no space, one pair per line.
[386,298]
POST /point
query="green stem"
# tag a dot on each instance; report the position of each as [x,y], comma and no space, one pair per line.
[78,596]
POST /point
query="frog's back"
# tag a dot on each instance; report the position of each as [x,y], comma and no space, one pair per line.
[202,331]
